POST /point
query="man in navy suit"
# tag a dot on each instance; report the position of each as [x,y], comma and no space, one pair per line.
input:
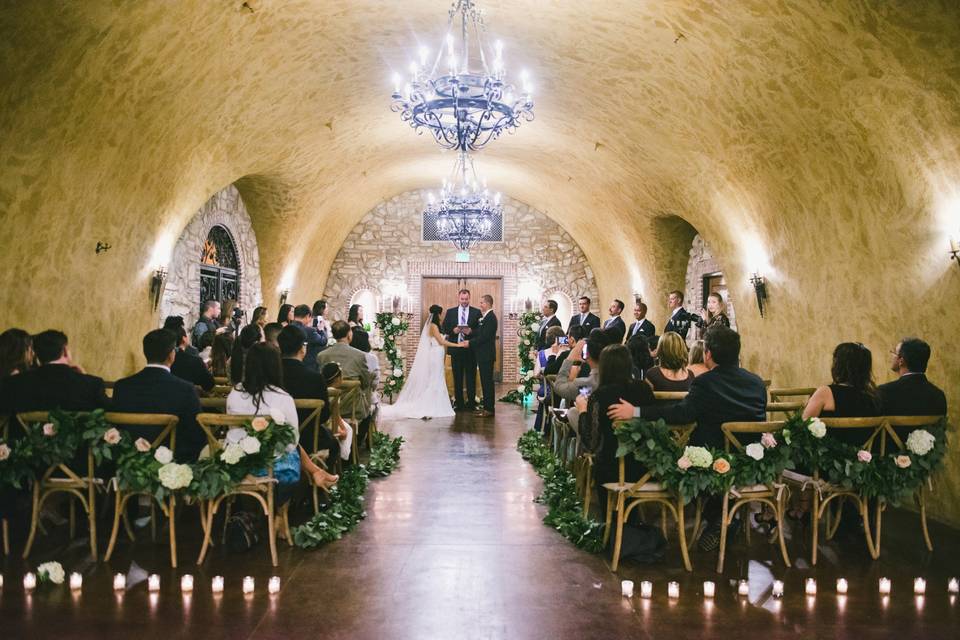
[316,341]
[155,390]
[550,319]
[301,383]
[680,318]
[585,320]
[642,328]
[459,323]
[614,324]
[483,344]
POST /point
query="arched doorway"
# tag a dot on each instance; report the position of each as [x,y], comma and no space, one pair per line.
[219,267]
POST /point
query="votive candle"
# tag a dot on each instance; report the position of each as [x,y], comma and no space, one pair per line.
[119,582]
[29,581]
[810,587]
[709,589]
[778,588]
[673,589]
[153,583]
[919,586]
[76,581]
[842,586]
[743,588]
[646,589]
[626,588]
[273,586]
[1,581]
[953,585]
[885,586]
[186,583]
[216,585]
[248,584]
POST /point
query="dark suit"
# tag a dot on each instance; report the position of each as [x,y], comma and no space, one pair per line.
[616,328]
[156,390]
[301,383]
[462,361]
[483,344]
[53,386]
[912,395]
[589,323]
[316,341]
[646,330]
[191,368]
[554,321]
[679,322]
[723,394]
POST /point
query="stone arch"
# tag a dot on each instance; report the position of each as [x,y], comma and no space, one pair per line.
[182,291]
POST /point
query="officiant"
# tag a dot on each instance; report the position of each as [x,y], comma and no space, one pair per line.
[459,323]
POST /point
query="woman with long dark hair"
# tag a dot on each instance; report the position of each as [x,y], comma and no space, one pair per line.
[285,315]
[221,349]
[361,339]
[259,316]
[16,352]
[852,394]
[249,336]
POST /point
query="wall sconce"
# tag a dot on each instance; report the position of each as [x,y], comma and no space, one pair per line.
[283,296]
[637,298]
[156,285]
[955,249]
[102,247]
[759,288]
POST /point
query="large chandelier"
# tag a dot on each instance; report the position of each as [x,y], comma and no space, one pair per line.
[462,99]
[465,210]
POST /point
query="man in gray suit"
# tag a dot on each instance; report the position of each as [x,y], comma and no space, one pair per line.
[353,364]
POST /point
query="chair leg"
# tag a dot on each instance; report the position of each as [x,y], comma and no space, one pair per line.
[723,533]
[865,516]
[697,521]
[119,503]
[877,529]
[814,526]
[34,520]
[681,530]
[588,490]
[172,517]
[781,509]
[663,520]
[226,516]
[920,499]
[153,520]
[92,516]
[606,524]
[208,529]
[271,530]
[618,539]
[6,537]
[286,524]
[73,516]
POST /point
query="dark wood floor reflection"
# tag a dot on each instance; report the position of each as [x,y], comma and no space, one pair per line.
[454,547]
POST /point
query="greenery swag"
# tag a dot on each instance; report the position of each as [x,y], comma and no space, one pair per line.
[392,327]
[527,341]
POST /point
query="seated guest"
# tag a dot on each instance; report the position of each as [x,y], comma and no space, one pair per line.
[696,365]
[641,354]
[316,342]
[155,389]
[343,432]
[361,339]
[353,364]
[715,313]
[16,353]
[174,324]
[641,328]
[726,393]
[544,358]
[285,315]
[614,384]
[261,394]
[271,331]
[553,365]
[614,324]
[220,353]
[911,394]
[57,383]
[582,385]
[672,373]
[208,322]
[249,336]
[298,381]
[259,317]
[187,366]
[852,394]
[549,320]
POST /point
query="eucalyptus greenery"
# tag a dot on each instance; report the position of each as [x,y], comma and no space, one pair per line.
[527,340]
[384,455]
[392,327]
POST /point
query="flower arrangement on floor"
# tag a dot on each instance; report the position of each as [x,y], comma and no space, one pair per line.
[392,327]
[527,341]
[564,508]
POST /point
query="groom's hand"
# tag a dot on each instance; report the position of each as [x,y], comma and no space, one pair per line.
[467,331]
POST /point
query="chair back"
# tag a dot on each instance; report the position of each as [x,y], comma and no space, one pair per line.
[333,395]
[215,425]
[222,381]
[164,424]
[780,394]
[350,392]
[214,405]
[732,431]
[220,391]
[785,408]
[313,420]
[876,425]
[907,423]
[669,396]
[33,417]
[681,435]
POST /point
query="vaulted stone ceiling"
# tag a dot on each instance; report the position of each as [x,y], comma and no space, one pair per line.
[817,141]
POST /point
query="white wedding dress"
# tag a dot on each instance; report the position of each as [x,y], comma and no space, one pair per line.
[424,394]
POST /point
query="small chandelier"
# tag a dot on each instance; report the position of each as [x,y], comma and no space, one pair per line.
[465,212]
[461,99]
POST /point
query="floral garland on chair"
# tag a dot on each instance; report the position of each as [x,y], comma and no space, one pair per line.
[527,339]
[392,327]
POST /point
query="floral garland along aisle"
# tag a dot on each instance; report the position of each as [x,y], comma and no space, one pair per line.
[527,334]
[392,327]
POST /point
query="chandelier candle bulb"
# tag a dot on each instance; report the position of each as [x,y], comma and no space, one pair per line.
[884,586]
[673,589]
[953,585]
[216,585]
[273,586]
[626,588]
[248,585]
[646,589]
[810,587]
[778,588]
[842,586]
[76,581]
[186,583]
[153,583]
[709,589]
[743,588]
[919,586]
[119,582]
[29,581]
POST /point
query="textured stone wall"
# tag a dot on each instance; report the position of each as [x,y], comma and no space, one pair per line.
[181,295]
[701,263]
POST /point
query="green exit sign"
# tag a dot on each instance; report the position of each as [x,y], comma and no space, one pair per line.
[463,256]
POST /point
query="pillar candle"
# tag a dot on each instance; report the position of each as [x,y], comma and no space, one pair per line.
[29,581]
[153,583]
[953,585]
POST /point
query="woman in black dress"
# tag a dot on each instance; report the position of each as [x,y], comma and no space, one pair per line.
[852,394]
[361,339]
[714,314]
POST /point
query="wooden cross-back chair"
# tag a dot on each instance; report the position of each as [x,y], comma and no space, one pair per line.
[791,394]
[350,391]
[825,493]
[261,489]
[772,494]
[311,426]
[214,405]
[220,391]
[80,483]
[166,427]
[221,381]
[623,497]
[783,410]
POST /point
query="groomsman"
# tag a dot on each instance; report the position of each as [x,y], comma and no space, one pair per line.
[483,344]
[614,324]
[585,320]
[642,328]
[679,321]
[459,323]
[550,319]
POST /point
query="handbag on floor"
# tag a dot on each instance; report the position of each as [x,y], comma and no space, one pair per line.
[242,532]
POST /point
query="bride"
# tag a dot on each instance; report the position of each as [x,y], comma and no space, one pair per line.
[425,393]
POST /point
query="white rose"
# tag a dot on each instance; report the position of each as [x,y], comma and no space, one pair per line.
[236,434]
[920,442]
[163,455]
[4,452]
[399,353]
[53,572]
[232,454]
[526,342]
[277,416]
[397,372]
[817,428]
[175,476]
[395,322]
[250,445]
[521,389]
[755,451]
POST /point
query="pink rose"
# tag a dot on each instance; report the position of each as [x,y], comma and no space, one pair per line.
[903,461]
[768,441]
[684,462]
[112,436]
[142,445]
[259,423]
[4,452]
[49,429]
[864,456]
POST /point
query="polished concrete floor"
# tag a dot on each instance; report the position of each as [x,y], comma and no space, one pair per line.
[454,547]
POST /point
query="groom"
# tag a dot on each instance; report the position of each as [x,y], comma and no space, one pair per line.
[483,344]
[459,323]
